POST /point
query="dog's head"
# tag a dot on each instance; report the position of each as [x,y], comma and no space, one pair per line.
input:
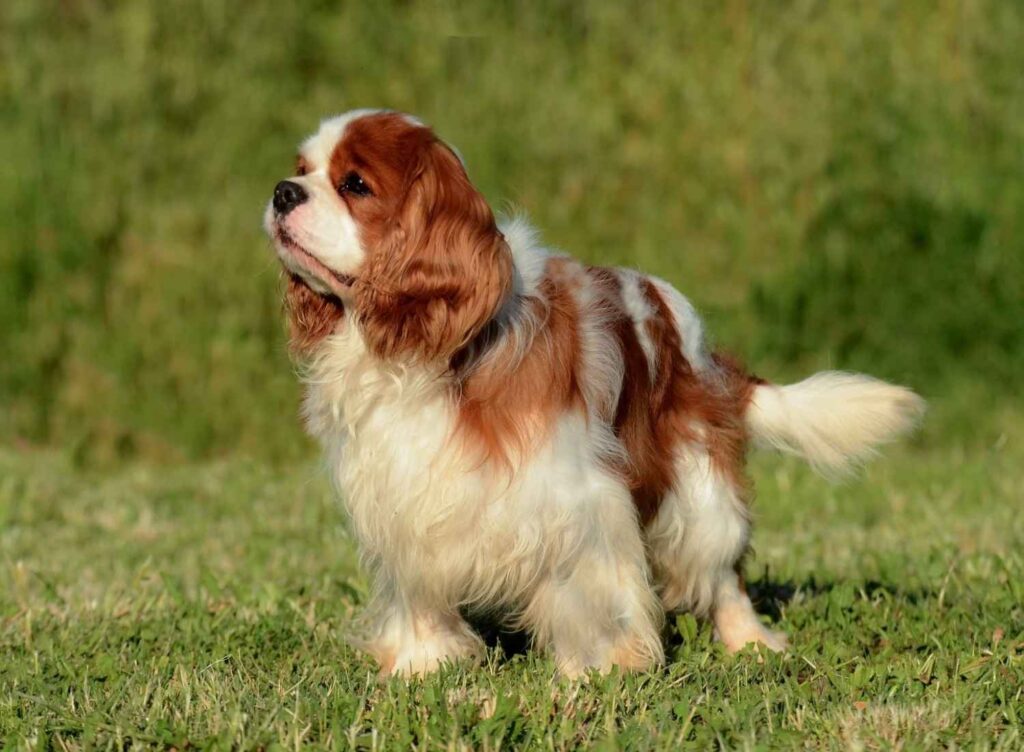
[381,221]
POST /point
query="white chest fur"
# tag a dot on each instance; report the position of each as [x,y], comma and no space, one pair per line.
[425,512]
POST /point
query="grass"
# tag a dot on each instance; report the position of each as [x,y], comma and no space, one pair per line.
[207,605]
[835,184]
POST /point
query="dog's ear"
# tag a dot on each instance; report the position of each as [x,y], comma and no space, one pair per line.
[443,269]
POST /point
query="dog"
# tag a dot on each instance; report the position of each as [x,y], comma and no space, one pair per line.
[513,431]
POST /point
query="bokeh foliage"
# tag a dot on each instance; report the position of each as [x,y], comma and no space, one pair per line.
[835,184]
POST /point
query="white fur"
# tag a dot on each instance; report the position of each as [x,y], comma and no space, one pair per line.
[832,419]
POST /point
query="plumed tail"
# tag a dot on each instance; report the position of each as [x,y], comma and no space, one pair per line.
[833,420]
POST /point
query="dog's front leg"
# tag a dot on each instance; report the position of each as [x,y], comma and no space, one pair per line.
[411,638]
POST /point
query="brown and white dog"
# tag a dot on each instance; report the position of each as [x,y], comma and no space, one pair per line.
[513,430]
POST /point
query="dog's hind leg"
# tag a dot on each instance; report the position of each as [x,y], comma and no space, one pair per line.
[736,622]
[695,543]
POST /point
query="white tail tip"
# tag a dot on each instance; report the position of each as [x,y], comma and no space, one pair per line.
[834,420]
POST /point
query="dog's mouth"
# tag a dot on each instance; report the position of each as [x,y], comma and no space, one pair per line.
[312,267]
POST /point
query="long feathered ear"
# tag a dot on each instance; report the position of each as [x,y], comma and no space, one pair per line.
[443,270]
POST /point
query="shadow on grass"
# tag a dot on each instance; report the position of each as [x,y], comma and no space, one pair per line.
[512,642]
[770,597]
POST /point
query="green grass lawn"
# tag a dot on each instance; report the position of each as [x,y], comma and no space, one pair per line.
[207,605]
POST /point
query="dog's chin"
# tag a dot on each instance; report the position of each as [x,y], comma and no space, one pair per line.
[311,283]
[316,275]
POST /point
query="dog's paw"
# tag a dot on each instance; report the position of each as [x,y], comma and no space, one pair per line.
[755,634]
[426,651]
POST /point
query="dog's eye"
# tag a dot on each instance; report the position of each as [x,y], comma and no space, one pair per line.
[354,184]
[301,168]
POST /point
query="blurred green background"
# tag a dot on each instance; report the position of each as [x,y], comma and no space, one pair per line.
[835,184]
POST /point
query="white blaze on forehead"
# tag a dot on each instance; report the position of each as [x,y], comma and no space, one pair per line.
[317,149]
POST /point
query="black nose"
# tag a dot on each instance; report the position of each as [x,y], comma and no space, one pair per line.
[288,195]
